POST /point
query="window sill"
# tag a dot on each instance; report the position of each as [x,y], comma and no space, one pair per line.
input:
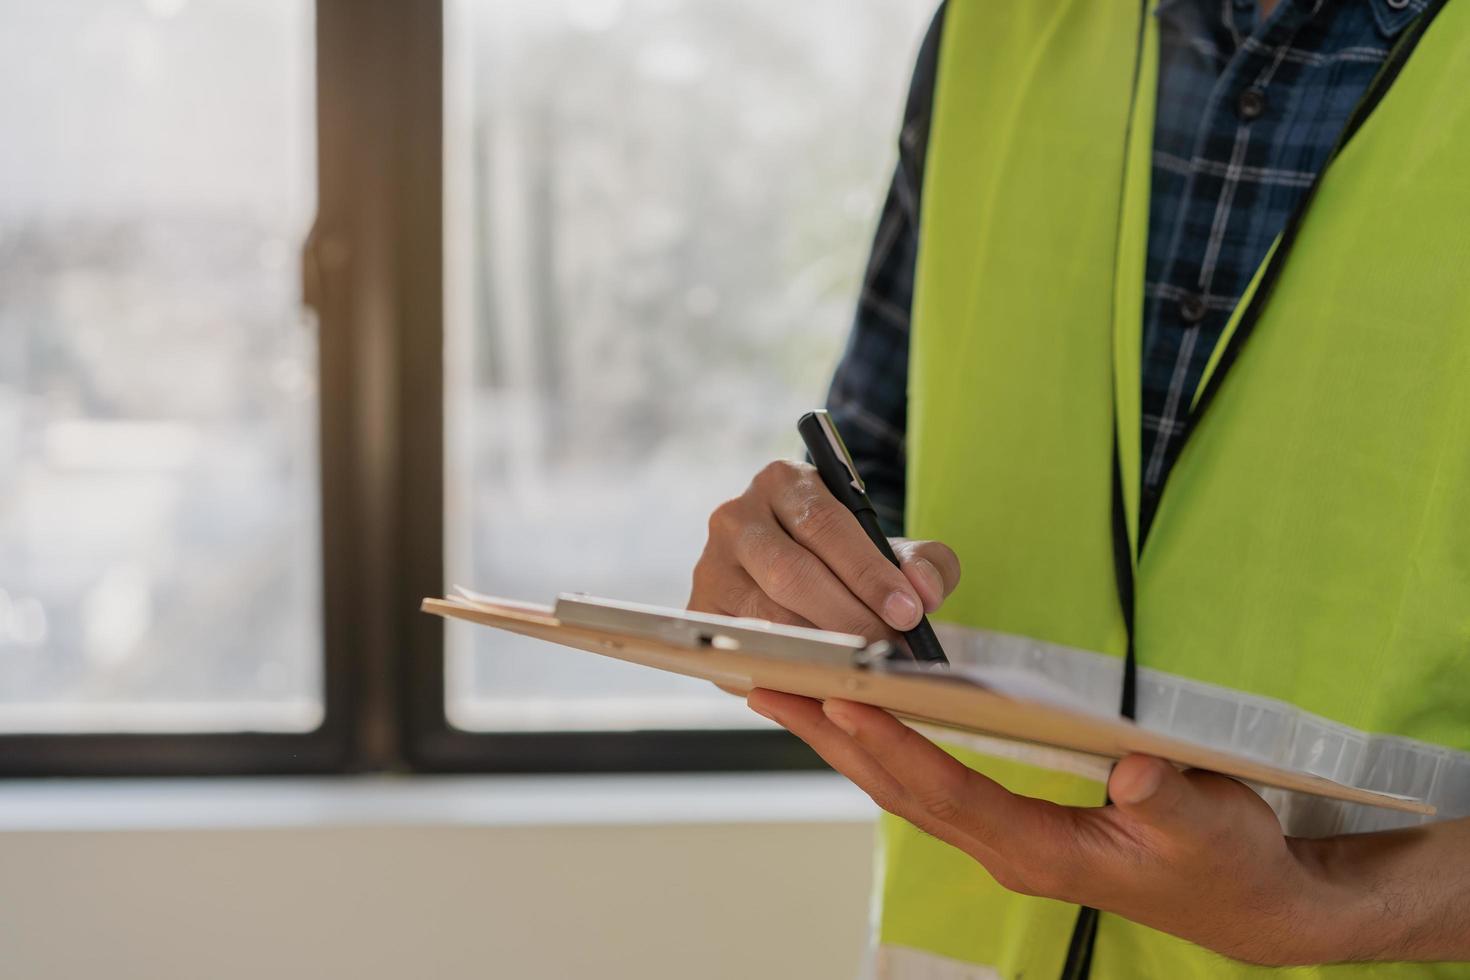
[386,800]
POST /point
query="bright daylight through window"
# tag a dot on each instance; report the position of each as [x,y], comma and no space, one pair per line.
[159,566]
[655,235]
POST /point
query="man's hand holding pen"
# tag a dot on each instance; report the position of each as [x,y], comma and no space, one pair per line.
[787,551]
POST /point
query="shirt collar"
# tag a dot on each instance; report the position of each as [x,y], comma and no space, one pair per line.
[1394,15]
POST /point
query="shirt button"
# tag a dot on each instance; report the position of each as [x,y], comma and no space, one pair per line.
[1192,308]
[1251,104]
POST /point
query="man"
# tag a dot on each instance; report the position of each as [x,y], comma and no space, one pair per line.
[1184,379]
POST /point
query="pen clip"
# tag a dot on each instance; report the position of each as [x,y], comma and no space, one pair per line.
[839,449]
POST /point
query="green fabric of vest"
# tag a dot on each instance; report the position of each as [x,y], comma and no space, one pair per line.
[1313,541]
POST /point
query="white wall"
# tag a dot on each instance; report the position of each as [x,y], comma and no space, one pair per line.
[432,895]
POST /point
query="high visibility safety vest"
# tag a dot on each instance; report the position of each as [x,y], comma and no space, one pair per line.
[1303,595]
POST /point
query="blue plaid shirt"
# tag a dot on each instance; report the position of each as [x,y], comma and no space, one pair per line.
[1247,114]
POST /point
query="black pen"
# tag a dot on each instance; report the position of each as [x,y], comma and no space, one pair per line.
[829,454]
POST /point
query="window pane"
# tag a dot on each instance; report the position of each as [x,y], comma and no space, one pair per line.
[658,212]
[158,489]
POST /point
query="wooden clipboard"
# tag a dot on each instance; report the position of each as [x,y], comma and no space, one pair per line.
[744,654]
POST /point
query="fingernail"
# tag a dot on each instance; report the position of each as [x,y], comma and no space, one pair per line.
[901,611]
[931,575]
[839,719]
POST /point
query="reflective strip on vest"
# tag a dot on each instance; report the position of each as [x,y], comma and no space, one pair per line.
[1260,728]
[905,963]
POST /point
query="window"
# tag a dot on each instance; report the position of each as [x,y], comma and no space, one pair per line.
[159,566]
[308,310]
[657,215]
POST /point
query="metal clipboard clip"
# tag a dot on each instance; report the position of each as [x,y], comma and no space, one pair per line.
[704,631]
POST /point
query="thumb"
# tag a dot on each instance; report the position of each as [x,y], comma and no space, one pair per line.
[931,567]
[1154,792]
